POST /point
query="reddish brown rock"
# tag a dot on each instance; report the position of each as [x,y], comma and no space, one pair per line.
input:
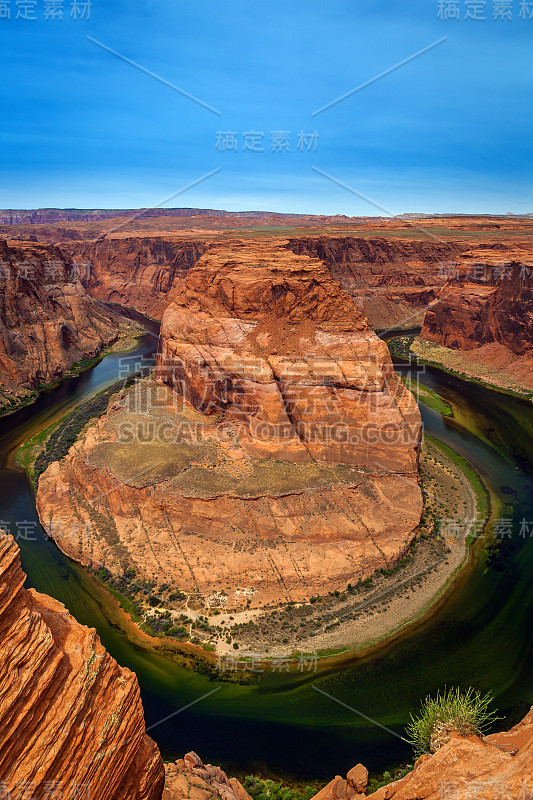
[498,308]
[137,272]
[271,341]
[69,713]
[490,320]
[357,778]
[191,779]
[392,281]
[467,768]
[279,459]
[47,320]
[351,788]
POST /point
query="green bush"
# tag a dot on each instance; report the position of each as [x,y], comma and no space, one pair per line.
[261,789]
[467,713]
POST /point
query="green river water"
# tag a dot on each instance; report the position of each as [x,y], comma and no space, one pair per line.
[480,635]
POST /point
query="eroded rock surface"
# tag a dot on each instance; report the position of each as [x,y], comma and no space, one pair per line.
[490,318]
[48,322]
[278,458]
[392,281]
[135,271]
[500,766]
[191,779]
[70,715]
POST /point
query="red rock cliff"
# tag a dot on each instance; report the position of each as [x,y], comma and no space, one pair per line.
[69,713]
[135,271]
[282,458]
[497,308]
[391,280]
[47,320]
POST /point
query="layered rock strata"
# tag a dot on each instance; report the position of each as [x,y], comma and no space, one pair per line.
[135,271]
[72,719]
[277,457]
[48,322]
[489,319]
[392,281]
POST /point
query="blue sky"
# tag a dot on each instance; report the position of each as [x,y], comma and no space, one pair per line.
[448,131]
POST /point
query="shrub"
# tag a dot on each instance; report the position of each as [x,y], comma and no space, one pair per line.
[261,789]
[465,712]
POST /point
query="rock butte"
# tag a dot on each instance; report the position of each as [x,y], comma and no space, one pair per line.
[284,450]
[69,713]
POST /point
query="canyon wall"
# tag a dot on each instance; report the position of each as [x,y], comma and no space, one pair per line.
[48,322]
[277,455]
[488,320]
[138,272]
[391,280]
[39,216]
[71,717]
[498,307]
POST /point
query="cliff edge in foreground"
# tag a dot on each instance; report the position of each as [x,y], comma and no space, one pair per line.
[71,718]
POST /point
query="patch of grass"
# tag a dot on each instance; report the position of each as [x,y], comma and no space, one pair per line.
[29,451]
[467,713]
[428,397]
[58,442]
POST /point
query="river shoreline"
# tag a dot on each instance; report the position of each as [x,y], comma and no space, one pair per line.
[454,641]
[125,342]
[457,363]
[406,608]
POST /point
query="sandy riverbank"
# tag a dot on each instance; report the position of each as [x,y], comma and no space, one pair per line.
[359,619]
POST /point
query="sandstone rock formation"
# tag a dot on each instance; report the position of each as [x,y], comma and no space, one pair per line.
[191,779]
[498,307]
[498,767]
[491,317]
[279,457]
[392,281]
[71,717]
[353,787]
[138,272]
[272,342]
[47,320]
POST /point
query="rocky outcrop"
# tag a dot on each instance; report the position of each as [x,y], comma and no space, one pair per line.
[71,717]
[277,457]
[47,320]
[496,308]
[499,766]
[391,280]
[489,319]
[353,787]
[138,272]
[191,779]
[271,341]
